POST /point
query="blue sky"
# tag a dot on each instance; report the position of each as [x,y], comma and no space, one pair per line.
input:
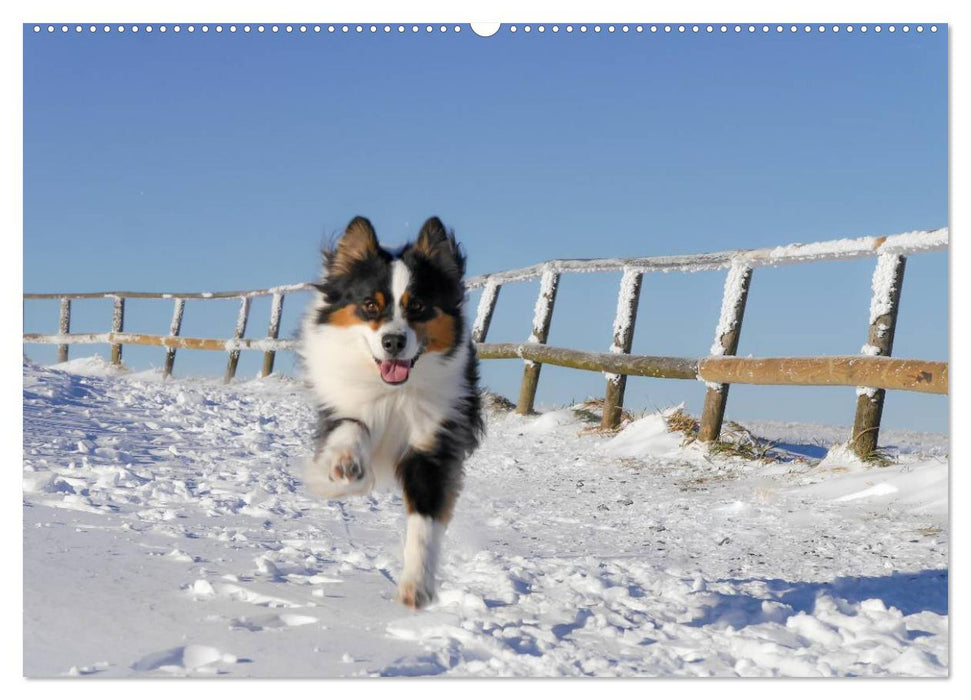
[205,162]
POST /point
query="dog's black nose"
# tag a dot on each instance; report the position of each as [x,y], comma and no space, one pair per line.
[393,343]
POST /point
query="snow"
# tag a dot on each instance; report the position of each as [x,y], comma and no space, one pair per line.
[93,366]
[646,436]
[624,317]
[166,533]
[908,243]
[915,242]
[177,312]
[920,487]
[486,304]
[882,285]
[544,303]
[731,297]
[242,317]
[276,311]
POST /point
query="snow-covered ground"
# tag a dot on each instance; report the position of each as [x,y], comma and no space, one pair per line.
[166,532]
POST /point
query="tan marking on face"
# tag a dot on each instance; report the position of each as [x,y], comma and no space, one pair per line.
[438,334]
[405,298]
[380,300]
[344,317]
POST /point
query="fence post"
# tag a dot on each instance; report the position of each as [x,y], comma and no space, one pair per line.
[174,330]
[483,315]
[63,328]
[237,334]
[627,300]
[888,278]
[542,315]
[726,343]
[117,326]
[276,311]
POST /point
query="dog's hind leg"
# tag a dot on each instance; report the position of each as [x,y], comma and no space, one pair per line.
[340,465]
[431,487]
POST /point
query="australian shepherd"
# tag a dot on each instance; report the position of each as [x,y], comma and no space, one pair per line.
[386,349]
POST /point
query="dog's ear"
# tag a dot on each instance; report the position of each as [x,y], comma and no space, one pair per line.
[358,242]
[439,246]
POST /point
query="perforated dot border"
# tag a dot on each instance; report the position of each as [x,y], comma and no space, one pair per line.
[456,28]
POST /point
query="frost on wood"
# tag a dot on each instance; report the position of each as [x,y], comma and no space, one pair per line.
[731,298]
[624,316]
[64,321]
[486,304]
[544,306]
[177,312]
[839,249]
[276,311]
[885,275]
[822,250]
[883,289]
[118,315]
[915,242]
[240,330]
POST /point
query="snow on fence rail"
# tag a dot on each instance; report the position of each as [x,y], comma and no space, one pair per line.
[872,372]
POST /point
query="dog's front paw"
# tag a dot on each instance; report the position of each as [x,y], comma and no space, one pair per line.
[347,467]
[415,595]
[334,473]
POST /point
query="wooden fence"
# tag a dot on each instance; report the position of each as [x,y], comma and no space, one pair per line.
[117,337]
[872,372]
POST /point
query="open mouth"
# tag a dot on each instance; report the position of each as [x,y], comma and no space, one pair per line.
[395,371]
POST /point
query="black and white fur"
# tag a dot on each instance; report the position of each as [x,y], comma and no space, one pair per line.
[379,316]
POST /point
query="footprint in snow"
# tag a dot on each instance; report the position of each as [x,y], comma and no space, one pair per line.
[194,657]
[266,622]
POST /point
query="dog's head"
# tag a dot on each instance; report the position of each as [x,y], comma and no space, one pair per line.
[397,306]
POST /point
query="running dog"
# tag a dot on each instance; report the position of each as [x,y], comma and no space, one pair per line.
[386,348]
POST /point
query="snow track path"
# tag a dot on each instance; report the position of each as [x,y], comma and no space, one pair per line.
[166,532]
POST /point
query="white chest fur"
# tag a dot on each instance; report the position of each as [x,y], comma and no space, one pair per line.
[344,378]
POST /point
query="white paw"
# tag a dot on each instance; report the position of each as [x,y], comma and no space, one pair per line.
[415,594]
[339,471]
[346,466]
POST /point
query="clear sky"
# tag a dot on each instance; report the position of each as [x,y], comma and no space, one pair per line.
[206,162]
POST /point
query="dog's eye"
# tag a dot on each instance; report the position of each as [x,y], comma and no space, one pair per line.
[415,306]
[370,307]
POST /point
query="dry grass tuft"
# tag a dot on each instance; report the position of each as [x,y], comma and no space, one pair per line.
[735,440]
[879,457]
[681,422]
[495,403]
[591,411]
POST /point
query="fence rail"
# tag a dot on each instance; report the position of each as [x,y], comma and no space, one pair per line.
[873,372]
[117,338]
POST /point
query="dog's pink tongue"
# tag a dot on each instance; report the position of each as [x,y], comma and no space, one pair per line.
[394,371]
